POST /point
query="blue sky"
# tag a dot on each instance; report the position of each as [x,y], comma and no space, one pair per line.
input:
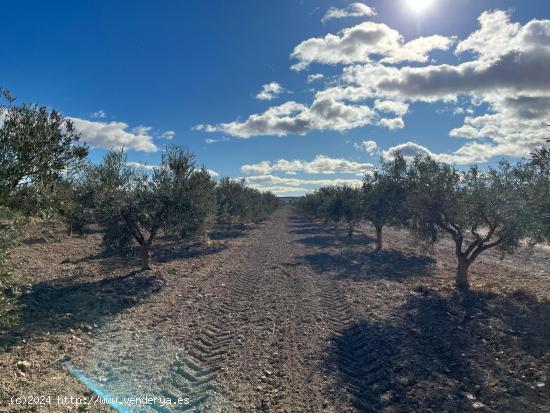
[142,74]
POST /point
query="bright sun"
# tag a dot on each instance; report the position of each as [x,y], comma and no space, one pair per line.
[419,6]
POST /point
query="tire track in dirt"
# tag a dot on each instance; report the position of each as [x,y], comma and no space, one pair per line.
[353,354]
[195,370]
[266,373]
[153,359]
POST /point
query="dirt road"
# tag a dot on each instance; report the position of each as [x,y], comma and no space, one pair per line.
[290,317]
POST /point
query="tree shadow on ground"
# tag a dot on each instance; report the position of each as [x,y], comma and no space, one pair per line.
[223,235]
[308,230]
[176,250]
[59,305]
[355,266]
[444,354]
[168,249]
[328,240]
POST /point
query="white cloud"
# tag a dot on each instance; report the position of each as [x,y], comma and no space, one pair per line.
[353,10]
[392,123]
[277,180]
[270,91]
[391,106]
[148,168]
[363,42]
[295,118]
[367,146]
[314,77]
[100,114]
[468,154]
[169,134]
[143,166]
[503,70]
[293,186]
[508,74]
[494,38]
[265,180]
[321,164]
[114,135]
[280,190]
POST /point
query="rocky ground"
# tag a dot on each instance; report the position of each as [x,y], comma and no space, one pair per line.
[285,317]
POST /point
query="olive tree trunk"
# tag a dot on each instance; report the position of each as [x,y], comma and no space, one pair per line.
[462,282]
[145,256]
[379,242]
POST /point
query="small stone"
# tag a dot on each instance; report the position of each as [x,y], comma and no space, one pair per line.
[23,365]
[477,405]
[541,385]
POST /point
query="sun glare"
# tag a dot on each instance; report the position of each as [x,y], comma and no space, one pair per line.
[419,6]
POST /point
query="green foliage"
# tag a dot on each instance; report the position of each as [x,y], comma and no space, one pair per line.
[316,206]
[385,193]
[230,202]
[479,210]
[237,203]
[541,190]
[37,146]
[347,206]
[11,224]
[78,201]
[334,204]
[177,198]
[497,208]
[38,149]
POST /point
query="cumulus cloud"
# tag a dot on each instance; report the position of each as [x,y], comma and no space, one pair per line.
[470,153]
[321,164]
[391,106]
[277,180]
[149,168]
[363,42]
[512,60]
[280,190]
[367,146]
[295,118]
[502,70]
[114,135]
[508,73]
[353,10]
[392,123]
[270,91]
[494,37]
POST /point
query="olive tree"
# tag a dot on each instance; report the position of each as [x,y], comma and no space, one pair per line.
[235,202]
[384,196]
[541,189]
[347,206]
[334,204]
[478,210]
[230,202]
[37,146]
[308,205]
[133,207]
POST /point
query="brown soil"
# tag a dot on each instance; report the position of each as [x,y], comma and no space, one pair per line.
[285,317]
